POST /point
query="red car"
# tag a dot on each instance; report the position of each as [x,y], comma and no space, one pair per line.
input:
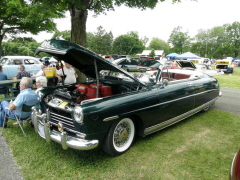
[235,167]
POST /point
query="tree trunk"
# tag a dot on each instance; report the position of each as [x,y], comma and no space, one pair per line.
[1,50]
[78,25]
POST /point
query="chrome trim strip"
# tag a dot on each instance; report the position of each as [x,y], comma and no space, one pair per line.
[90,100]
[60,116]
[174,120]
[111,118]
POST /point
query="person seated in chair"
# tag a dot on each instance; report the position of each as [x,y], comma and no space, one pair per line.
[22,73]
[26,96]
[2,77]
[41,82]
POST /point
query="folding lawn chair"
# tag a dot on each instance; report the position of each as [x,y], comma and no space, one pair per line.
[25,108]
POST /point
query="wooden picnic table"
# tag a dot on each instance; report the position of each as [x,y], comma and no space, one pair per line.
[10,85]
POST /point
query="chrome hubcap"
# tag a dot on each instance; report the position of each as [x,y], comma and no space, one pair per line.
[121,134]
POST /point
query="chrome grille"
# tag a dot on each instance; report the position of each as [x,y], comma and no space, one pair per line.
[66,121]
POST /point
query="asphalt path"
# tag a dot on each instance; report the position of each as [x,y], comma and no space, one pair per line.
[8,167]
[228,102]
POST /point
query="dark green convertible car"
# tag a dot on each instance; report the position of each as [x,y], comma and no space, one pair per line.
[113,106]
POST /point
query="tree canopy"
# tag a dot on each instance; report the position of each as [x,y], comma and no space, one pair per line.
[159,44]
[22,16]
[100,42]
[179,40]
[20,46]
[79,12]
[128,44]
[233,32]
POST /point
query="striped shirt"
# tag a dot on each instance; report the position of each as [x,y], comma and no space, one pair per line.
[23,73]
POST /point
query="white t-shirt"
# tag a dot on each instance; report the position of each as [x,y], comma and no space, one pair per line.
[70,75]
[40,73]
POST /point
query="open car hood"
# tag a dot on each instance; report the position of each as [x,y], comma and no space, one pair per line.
[186,64]
[80,57]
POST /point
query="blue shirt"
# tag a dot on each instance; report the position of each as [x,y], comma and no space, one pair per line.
[2,77]
[28,97]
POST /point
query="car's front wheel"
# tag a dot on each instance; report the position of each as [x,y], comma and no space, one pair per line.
[120,137]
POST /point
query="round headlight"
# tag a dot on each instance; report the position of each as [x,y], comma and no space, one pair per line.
[78,114]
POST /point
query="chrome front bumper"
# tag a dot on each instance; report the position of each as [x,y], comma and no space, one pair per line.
[42,127]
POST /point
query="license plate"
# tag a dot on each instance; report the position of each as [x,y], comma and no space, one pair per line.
[41,130]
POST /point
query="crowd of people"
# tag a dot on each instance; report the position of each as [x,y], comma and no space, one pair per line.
[26,95]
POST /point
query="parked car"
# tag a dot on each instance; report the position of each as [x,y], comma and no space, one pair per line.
[10,65]
[170,65]
[224,65]
[136,64]
[198,67]
[234,173]
[113,106]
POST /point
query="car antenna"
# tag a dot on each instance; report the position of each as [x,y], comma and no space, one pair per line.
[131,49]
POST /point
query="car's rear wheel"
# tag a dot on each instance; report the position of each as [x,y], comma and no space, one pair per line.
[120,137]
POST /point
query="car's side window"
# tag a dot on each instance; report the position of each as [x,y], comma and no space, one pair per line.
[35,62]
[28,61]
[17,61]
[7,62]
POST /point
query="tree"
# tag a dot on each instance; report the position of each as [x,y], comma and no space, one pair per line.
[199,48]
[179,40]
[100,42]
[128,44]
[233,33]
[22,16]
[152,53]
[213,43]
[224,51]
[203,39]
[79,12]
[20,46]
[158,44]
[217,40]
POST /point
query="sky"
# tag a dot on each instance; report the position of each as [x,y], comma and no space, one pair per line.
[159,22]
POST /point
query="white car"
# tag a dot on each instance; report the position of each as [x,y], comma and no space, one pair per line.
[10,65]
[206,69]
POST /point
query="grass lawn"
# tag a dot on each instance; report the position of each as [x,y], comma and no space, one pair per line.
[200,147]
[231,80]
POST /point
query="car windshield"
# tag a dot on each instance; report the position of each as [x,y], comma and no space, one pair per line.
[147,63]
[3,60]
[146,78]
[111,75]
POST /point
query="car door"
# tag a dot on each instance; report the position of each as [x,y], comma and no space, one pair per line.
[11,68]
[205,91]
[174,99]
[32,66]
